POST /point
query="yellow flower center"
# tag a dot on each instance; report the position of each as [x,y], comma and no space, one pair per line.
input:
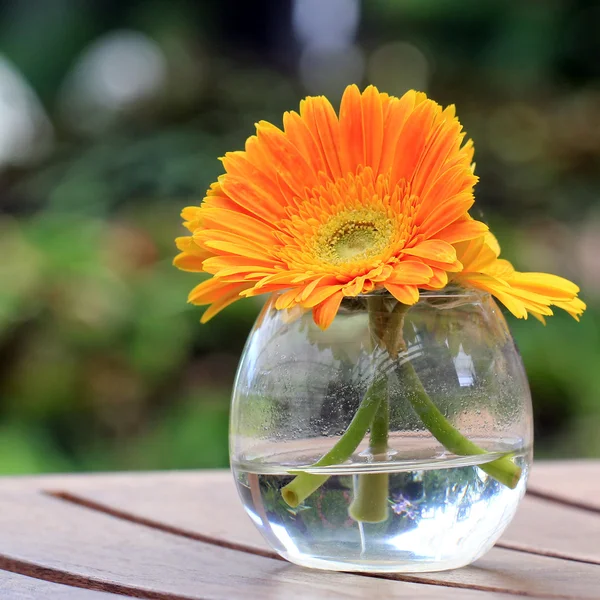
[353,236]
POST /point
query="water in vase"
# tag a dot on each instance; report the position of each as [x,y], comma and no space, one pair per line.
[439,515]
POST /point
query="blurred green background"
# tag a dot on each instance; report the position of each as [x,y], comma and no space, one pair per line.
[112,116]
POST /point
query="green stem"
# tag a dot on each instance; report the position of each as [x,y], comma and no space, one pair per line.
[502,469]
[304,484]
[371,491]
[380,427]
[378,325]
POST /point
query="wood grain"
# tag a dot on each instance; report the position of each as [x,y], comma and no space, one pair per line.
[203,506]
[207,506]
[552,529]
[56,540]
[527,574]
[183,506]
[573,482]
[20,587]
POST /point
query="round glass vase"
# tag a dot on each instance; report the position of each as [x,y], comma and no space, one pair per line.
[397,440]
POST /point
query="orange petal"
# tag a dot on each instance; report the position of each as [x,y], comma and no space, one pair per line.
[438,280]
[497,289]
[436,250]
[397,113]
[267,289]
[498,268]
[221,200]
[279,278]
[545,284]
[463,156]
[472,252]
[253,198]
[242,273]
[232,243]
[446,138]
[324,313]
[574,307]
[320,294]
[211,290]
[239,165]
[410,272]
[285,159]
[372,112]
[454,267]
[355,287]
[287,299]
[309,289]
[462,230]
[191,217]
[187,244]
[322,122]
[189,213]
[411,142]
[300,136]
[244,225]
[444,214]
[258,154]
[188,262]
[453,181]
[352,148]
[231,263]
[407,294]
[492,242]
[541,318]
[232,248]
[228,297]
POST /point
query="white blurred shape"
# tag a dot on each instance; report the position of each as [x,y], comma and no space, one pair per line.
[328,71]
[398,67]
[465,369]
[326,23]
[25,131]
[118,71]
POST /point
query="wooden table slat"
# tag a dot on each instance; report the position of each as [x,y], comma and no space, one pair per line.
[209,506]
[540,526]
[143,562]
[62,541]
[20,587]
[553,529]
[575,482]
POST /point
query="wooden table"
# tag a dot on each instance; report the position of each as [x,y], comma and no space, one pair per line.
[184,535]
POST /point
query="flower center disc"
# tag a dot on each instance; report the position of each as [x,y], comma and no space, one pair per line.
[353,236]
[355,239]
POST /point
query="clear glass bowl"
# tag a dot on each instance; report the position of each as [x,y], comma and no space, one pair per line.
[432,490]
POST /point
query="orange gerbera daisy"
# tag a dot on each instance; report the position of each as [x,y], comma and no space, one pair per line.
[336,206]
[521,293]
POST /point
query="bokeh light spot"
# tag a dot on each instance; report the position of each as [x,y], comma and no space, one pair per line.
[397,67]
[329,70]
[114,73]
[332,23]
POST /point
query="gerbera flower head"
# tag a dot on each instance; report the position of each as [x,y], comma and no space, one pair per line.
[336,205]
[521,293]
